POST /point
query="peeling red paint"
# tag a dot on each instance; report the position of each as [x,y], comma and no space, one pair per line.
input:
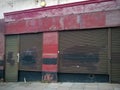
[50,38]
[92,20]
[51,24]
[24,26]
[15,27]
[32,25]
[113,18]
[59,10]
[72,22]
[63,17]
[94,7]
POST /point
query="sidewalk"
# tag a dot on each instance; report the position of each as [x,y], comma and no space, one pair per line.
[58,86]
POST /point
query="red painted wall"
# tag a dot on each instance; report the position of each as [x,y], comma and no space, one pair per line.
[50,45]
[2,39]
[50,54]
[88,14]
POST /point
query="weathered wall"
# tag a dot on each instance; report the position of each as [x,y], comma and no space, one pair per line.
[80,15]
[50,55]
[15,5]
[64,17]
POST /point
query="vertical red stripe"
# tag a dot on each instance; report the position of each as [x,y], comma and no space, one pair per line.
[49,68]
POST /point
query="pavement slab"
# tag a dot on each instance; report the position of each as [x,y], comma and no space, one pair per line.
[58,86]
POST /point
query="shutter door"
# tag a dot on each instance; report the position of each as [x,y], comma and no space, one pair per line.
[11,65]
[30,52]
[83,51]
[115,63]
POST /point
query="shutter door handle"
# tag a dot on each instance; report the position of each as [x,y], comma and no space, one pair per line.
[18,57]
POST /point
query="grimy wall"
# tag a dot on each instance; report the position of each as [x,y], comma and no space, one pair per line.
[16,5]
[103,13]
[49,20]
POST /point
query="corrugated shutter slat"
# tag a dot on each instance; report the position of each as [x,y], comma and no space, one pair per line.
[31,52]
[115,63]
[83,51]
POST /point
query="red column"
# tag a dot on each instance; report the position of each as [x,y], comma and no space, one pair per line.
[49,56]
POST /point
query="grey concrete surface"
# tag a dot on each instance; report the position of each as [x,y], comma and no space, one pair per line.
[58,86]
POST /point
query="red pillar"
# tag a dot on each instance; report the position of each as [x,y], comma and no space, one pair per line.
[49,56]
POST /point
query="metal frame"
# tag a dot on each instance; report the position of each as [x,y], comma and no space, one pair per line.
[109,52]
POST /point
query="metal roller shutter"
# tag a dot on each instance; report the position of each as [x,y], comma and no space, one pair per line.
[11,65]
[30,52]
[83,51]
[115,62]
